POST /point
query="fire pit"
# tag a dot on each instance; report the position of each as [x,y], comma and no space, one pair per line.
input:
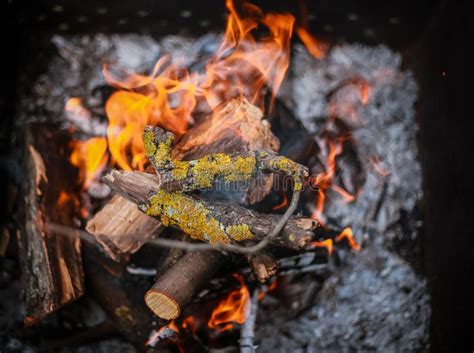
[184,183]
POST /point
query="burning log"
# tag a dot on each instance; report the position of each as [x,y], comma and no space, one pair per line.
[205,216]
[235,126]
[174,290]
[51,265]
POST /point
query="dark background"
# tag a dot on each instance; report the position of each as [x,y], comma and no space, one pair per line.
[436,40]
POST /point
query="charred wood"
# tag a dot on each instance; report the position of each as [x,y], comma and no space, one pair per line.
[52,273]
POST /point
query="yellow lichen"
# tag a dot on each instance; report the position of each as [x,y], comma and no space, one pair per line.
[207,169]
[193,218]
[298,186]
[159,154]
[239,232]
[240,169]
[149,143]
[285,165]
[162,154]
[180,169]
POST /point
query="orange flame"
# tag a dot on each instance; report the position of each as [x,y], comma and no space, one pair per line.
[324,180]
[327,244]
[74,104]
[90,158]
[347,234]
[314,46]
[271,288]
[190,323]
[167,97]
[234,308]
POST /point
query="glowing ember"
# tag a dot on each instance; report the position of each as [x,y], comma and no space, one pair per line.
[347,234]
[167,97]
[165,332]
[378,166]
[233,309]
[191,324]
[364,92]
[63,199]
[282,204]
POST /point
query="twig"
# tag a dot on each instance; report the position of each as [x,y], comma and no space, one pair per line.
[247,331]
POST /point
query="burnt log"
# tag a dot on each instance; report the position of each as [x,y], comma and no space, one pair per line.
[121,297]
[52,273]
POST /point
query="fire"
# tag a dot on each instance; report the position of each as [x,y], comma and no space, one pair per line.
[315,47]
[191,324]
[168,96]
[324,180]
[347,234]
[271,288]
[90,158]
[73,103]
[328,244]
[234,308]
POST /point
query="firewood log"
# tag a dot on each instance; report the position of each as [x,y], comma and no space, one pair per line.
[173,291]
[52,273]
[241,224]
[234,126]
[202,173]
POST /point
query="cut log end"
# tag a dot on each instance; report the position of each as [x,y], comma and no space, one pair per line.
[162,304]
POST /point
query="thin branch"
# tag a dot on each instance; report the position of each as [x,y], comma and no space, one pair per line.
[247,331]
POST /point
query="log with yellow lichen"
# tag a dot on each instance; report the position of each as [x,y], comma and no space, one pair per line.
[213,222]
[202,173]
[205,221]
